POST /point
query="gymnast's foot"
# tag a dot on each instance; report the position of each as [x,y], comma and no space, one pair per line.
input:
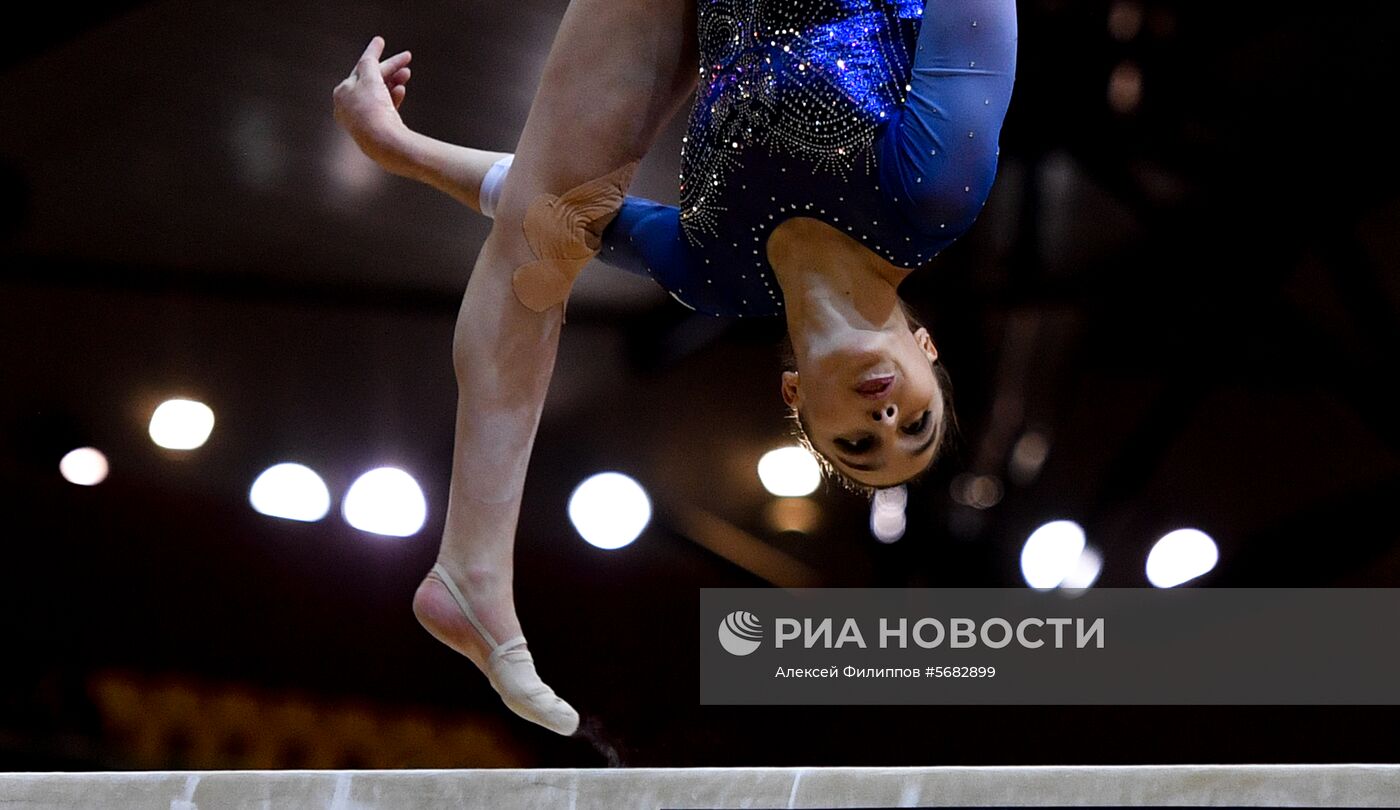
[472,611]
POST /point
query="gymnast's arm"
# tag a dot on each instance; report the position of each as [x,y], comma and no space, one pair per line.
[940,155]
[367,106]
[457,171]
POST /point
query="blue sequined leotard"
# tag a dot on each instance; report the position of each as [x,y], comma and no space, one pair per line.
[878,117]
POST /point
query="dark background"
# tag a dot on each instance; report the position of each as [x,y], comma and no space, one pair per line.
[1189,291]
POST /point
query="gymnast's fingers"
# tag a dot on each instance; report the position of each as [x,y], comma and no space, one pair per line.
[369,60]
[394,63]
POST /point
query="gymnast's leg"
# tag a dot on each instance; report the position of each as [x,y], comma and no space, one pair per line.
[616,73]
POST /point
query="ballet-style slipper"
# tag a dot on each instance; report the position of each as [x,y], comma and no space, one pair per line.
[564,232]
[511,670]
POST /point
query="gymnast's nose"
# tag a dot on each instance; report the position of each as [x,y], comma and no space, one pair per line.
[890,411]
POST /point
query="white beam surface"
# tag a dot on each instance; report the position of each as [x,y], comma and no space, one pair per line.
[1352,785]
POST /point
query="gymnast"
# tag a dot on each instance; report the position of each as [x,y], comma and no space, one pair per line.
[833,147]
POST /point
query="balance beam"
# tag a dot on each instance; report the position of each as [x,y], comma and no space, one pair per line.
[1352,785]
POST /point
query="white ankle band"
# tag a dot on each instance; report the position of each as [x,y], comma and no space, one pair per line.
[492,183]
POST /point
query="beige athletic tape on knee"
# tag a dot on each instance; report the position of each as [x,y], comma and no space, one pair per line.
[563,233]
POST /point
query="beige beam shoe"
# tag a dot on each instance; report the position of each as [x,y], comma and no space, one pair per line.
[511,670]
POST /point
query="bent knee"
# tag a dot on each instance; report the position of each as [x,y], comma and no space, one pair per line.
[506,241]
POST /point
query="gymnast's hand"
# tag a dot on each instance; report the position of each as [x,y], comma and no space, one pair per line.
[367,104]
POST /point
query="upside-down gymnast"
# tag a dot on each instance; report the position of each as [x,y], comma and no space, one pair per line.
[833,147]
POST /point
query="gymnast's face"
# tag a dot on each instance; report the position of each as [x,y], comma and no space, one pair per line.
[873,408]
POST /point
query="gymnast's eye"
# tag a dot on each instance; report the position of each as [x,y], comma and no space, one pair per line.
[861,445]
[918,427]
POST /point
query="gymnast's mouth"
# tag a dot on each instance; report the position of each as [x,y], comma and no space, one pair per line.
[876,386]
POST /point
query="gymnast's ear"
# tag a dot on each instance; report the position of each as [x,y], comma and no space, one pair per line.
[926,344]
[790,393]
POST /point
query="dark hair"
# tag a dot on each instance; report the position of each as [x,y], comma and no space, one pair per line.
[943,428]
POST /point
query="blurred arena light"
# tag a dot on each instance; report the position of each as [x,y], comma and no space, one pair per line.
[1125,20]
[609,510]
[291,492]
[386,501]
[258,144]
[887,518]
[1086,570]
[1180,557]
[1125,88]
[789,472]
[352,170]
[890,499]
[1052,553]
[977,491]
[181,424]
[85,466]
[888,526]
[1028,456]
[799,515]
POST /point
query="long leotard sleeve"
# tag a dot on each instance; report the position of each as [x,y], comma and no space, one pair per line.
[940,152]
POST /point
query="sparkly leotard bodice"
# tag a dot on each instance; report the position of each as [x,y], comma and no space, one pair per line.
[878,117]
